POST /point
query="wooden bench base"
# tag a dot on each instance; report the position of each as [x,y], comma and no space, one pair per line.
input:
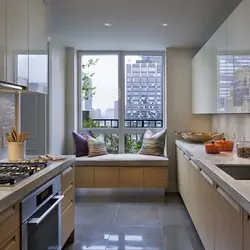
[121,177]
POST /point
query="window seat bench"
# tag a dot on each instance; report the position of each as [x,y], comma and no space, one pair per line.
[121,171]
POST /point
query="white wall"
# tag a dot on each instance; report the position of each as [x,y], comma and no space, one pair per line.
[179,104]
[57,110]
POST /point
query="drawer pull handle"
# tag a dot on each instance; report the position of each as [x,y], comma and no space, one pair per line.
[194,165]
[207,177]
[67,170]
[186,157]
[228,199]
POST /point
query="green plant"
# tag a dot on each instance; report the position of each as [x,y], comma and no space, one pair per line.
[87,89]
[90,123]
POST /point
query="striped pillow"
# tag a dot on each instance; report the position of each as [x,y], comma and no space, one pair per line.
[153,144]
[96,146]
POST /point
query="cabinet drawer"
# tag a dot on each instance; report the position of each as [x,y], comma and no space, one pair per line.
[12,243]
[85,177]
[69,196]
[155,177]
[67,177]
[131,177]
[9,221]
[68,221]
[106,177]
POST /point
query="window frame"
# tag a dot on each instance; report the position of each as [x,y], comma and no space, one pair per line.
[121,131]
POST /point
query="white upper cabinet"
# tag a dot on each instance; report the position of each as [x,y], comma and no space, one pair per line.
[38,46]
[23,43]
[3,5]
[17,34]
[221,69]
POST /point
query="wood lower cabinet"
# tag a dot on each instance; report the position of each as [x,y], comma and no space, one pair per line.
[106,177]
[12,243]
[85,177]
[121,177]
[246,228]
[131,177]
[155,177]
[228,222]
[9,221]
[68,205]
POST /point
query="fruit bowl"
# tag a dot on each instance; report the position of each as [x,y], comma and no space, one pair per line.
[199,137]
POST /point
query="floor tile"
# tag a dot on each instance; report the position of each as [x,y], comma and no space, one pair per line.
[143,214]
[135,238]
[95,213]
[176,237]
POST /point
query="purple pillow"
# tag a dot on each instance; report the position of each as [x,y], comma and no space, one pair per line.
[81,144]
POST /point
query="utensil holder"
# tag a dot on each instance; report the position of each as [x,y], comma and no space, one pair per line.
[16,151]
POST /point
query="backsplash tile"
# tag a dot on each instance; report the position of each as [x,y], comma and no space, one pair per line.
[232,124]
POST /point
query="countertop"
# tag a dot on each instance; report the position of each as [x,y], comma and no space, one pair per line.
[10,195]
[239,190]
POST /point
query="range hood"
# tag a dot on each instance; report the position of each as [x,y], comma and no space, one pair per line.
[11,87]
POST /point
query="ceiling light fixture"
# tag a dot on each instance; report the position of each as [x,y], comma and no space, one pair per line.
[107,24]
[164,25]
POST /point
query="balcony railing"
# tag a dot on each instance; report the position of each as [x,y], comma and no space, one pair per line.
[129,123]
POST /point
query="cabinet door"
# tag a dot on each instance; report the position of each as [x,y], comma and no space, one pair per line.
[228,222]
[246,245]
[38,46]
[205,210]
[12,243]
[68,221]
[17,41]
[106,177]
[3,48]
[155,177]
[182,172]
[238,58]
[193,180]
[131,177]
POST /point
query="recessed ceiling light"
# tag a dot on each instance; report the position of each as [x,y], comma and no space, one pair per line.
[107,24]
[164,24]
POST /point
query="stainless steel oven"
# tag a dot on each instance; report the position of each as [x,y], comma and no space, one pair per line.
[41,217]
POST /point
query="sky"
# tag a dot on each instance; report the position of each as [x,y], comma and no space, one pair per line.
[105,79]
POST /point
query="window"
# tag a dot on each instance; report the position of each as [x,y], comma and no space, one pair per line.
[120,95]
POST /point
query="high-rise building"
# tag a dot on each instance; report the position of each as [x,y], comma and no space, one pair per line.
[144,95]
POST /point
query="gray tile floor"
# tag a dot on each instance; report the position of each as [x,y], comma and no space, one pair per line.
[132,222]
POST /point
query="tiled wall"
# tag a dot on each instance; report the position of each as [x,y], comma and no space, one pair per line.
[232,123]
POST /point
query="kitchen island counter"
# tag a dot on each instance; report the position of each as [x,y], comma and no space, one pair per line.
[11,194]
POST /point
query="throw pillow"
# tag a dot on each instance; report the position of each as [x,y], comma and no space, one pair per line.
[96,146]
[81,145]
[153,144]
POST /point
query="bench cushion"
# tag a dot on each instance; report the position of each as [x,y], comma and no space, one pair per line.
[126,160]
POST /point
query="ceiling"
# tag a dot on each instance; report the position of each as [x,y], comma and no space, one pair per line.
[136,24]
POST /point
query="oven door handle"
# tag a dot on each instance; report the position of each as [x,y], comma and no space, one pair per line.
[37,221]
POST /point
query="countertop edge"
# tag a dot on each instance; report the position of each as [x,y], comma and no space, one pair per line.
[18,192]
[234,188]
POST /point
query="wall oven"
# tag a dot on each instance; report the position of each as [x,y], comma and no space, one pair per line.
[41,217]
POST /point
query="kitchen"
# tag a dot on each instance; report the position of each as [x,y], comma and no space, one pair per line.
[38,83]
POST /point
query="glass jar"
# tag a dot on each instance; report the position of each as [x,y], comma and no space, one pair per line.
[243,148]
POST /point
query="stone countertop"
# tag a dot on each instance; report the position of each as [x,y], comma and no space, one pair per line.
[239,190]
[12,194]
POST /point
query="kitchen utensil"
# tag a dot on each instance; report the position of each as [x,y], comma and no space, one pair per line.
[9,137]
[13,134]
[226,146]
[212,148]
[199,137]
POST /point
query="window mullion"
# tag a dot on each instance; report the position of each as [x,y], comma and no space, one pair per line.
[121,102]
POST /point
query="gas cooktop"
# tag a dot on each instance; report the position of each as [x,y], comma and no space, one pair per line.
[12,173]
